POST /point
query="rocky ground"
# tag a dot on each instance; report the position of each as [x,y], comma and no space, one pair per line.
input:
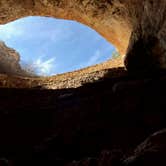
[66,80]
[13,76]
[107,122]
[98,116]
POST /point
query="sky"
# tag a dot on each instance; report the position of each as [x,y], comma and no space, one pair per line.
[54,46]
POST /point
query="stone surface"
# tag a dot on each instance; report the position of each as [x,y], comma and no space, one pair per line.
[13,75]
[100,123]
[104,15]
[67,80]
[136,28]
[56,127]
[151,152]
[9,62]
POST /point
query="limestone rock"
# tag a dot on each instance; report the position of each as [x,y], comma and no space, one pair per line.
[56,127]
[9,61]
[136,28]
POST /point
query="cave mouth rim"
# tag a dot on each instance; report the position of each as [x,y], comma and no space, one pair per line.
[69,70]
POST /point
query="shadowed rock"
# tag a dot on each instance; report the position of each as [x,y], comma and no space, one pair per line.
[56,127]
[151,152]
[60,126]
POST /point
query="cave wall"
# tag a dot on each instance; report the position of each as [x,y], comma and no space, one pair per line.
[10,62]
[56,127]
[136,28]
[105,16]
[59,126]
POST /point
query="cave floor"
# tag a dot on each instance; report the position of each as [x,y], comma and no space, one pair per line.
[62,125]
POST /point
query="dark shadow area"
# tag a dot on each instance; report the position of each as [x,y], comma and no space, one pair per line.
[55,127]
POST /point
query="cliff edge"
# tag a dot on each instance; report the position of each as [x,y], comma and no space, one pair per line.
[10,62]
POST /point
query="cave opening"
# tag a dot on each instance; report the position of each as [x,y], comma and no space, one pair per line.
[49,46]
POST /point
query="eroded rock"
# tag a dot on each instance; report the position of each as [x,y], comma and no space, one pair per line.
[151,152]
[61,126]
[136,28]
[9,62]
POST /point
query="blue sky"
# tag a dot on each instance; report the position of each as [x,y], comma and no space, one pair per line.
[54,46]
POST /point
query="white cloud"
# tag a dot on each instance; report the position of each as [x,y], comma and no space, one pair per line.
[44,67]
[40,67]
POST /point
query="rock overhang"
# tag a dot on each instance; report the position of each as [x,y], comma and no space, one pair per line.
[123,23]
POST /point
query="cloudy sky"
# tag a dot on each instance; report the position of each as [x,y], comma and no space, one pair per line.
[52,46]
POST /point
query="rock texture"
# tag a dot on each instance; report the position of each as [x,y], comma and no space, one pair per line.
[104,15]
[13,76]
[9,62]
[101,123]
[67,80]
[136,28]
[151,152]
[96,124]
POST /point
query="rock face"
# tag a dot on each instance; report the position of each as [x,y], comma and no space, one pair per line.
[151,152]
[136,28]
[9,62]
[101,123]
[98,124]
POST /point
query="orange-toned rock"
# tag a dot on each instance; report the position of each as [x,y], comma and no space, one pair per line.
[139,24]
[9,61]
[136,28]
[105,16]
